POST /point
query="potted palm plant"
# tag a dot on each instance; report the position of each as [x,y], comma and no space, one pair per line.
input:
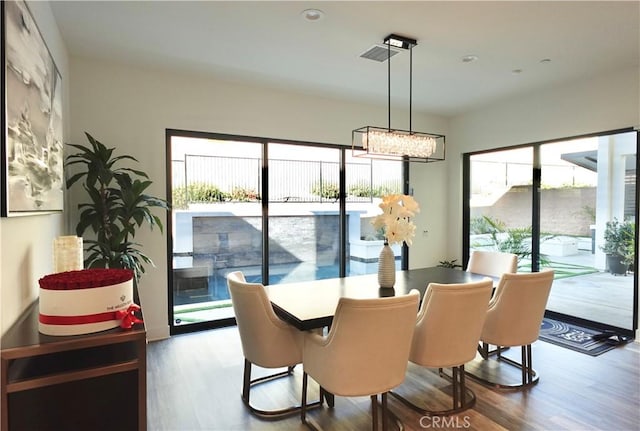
[619,245]
[117,206]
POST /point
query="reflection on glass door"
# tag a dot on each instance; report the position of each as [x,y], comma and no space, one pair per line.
[217,224]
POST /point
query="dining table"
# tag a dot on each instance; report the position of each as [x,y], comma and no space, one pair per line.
[311,305]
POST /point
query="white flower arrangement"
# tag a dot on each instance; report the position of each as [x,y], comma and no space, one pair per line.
[395,218]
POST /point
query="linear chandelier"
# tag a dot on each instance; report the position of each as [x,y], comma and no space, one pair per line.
[395,144]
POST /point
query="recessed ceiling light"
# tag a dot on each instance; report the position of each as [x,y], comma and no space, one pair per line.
[545,60]
[469,58]
[516,71]
[312,15]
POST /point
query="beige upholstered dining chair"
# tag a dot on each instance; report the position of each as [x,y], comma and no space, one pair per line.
[366,351]
[267,341]
[446,336]
[492,263]
[514,317]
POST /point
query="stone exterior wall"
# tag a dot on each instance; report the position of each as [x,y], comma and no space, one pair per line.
[232,241]
[564,211]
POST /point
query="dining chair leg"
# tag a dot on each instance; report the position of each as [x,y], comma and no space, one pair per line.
[485,351]
[528,377]
[527,369]
[328,397]
[303,404]
[463,398]
[385,411]
[525,365]
[374,412]
[247,383]
[454,387]
[462,387]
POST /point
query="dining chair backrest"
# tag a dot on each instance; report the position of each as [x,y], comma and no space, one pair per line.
[449,323]
[517,309]
[367,348]
[267,341]
[492,263]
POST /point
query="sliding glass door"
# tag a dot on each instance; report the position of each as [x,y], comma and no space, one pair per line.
[554,204]
[280,212]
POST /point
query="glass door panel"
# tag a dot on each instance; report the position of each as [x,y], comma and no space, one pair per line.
[587,186]
[587,183]
[501,203]
[367,181]
[304,213]
[217,225]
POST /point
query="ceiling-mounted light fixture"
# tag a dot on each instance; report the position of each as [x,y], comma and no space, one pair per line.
[400,41]
[396,144]
[312,15]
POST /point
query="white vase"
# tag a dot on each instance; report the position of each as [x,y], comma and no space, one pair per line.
[386,267]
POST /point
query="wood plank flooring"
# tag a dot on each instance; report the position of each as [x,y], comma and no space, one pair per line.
[194,383]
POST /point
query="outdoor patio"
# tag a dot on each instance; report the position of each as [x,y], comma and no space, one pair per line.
[597,296]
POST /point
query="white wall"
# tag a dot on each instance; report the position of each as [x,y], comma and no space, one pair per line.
[130,108]
[26,242]
[595,105]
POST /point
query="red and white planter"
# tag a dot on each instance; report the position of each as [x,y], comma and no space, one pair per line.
[86,301]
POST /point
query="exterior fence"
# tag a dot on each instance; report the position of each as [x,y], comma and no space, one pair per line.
[201,179]
[507,174]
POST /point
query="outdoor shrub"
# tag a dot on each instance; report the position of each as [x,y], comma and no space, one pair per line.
[387,189]
[326,190]
[360,191]
[485,224]
[241,194]
[179,198]
[512,240]
[619,239]
[205,193]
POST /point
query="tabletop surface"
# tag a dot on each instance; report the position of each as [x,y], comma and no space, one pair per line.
[311,304]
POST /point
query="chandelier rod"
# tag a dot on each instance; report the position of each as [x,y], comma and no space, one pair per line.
[389,83]
[410,83]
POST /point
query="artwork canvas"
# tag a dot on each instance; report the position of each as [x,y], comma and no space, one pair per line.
[32,141]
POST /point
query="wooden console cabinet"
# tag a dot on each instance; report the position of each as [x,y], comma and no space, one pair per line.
[85,382]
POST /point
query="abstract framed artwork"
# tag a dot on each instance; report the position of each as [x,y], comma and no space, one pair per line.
[32,140]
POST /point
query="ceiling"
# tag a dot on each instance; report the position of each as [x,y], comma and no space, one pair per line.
[269,43]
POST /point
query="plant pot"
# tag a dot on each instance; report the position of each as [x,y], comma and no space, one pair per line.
[616,265]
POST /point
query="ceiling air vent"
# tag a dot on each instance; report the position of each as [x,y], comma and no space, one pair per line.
[379,53]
